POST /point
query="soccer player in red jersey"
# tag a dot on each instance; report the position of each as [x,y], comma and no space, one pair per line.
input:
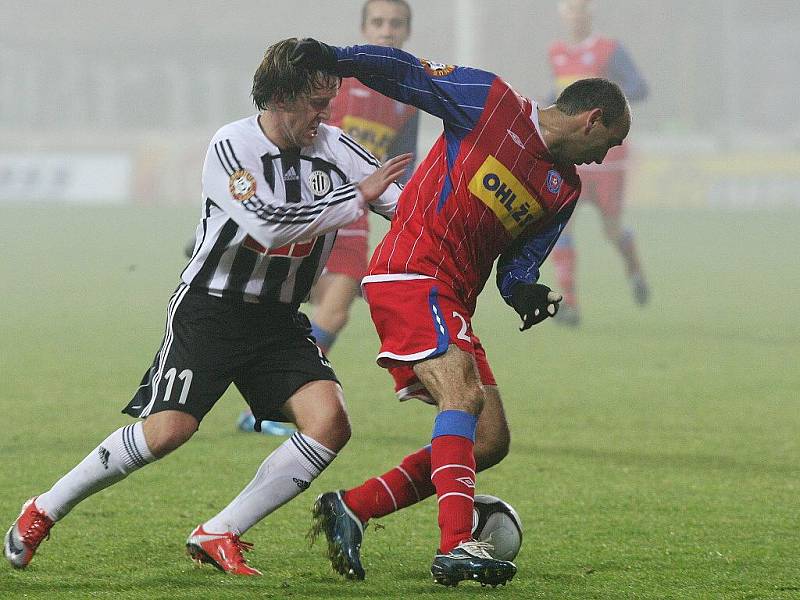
[586,54]
[386,128]
[499,182]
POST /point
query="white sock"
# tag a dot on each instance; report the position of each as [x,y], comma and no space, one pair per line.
[285,473]
[120,454]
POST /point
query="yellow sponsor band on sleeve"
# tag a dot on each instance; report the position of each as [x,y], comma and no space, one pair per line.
[495,186]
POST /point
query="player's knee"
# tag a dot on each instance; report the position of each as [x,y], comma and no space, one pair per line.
[168,430]
[331,428]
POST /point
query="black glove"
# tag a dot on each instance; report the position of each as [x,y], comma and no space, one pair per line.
[312,55]
[534,302]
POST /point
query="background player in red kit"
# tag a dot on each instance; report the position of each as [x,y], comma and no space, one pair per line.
[499,182]
[583,55]
[386,128]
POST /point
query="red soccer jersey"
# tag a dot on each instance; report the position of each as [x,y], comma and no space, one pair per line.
[590,58]
[488,183]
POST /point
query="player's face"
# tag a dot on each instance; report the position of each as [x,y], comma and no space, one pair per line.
[298,121]
[387,24]
[599,139]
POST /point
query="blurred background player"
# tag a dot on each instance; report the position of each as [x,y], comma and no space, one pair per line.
[585,54]
[386,128]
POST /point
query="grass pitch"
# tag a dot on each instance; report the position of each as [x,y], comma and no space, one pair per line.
[654,453]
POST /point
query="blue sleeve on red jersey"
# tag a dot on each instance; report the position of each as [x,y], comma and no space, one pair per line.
[623,71]
[521,261]
[457,97]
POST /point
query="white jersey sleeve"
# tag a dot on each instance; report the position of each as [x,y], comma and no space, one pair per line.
[363,164]
[234,179]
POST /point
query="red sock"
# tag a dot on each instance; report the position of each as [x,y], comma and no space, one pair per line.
[402,486]
[563,257]
[453,474]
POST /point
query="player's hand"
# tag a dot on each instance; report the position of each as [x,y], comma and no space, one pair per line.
[312,55]
[534,302]
[372,186]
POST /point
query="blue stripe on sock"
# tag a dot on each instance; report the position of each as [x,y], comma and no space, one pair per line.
[455,422]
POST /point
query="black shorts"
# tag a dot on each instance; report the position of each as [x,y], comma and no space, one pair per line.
[266,350]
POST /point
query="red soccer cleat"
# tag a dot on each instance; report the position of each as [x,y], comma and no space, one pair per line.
[223,550]
[24,536]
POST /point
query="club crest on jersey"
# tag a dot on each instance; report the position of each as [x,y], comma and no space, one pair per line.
[319,182]
[554,180]
[242,185]
[435,69]
[512,203]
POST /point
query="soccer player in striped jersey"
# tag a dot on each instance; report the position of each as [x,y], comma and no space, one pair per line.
[586,54]
[386,128]
[276,186]
[499,182]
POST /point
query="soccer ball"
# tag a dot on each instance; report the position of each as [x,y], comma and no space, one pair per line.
[496,522]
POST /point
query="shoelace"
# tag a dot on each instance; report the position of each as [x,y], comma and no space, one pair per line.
[476,548]
[38,530]
[240,545]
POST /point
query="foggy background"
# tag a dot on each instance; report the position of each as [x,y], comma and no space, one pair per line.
[111,101]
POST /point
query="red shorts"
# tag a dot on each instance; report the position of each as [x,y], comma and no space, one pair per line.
[350,252]
[418,318]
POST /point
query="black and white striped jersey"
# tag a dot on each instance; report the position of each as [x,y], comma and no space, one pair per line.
[270,217]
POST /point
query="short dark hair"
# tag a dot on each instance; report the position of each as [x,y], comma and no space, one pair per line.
[277,80]
[400,2]
[595,92]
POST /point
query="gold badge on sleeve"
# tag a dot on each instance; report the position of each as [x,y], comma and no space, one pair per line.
[435,69]
[242,185]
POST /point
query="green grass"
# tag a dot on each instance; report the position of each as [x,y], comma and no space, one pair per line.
[654,454]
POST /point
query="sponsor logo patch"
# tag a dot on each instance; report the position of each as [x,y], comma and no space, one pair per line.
[435,69]
[498,188]
[242,185]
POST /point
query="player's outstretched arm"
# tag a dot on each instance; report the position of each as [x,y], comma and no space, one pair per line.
[374,185]
[454,94]
[534,302]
